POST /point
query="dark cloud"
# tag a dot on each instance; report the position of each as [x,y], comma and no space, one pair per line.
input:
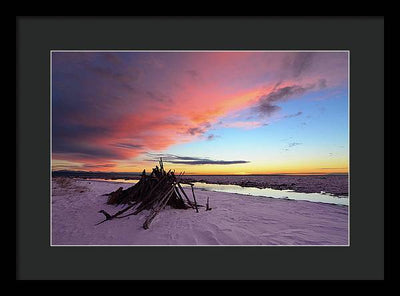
[79,150]
[158,96]
[194,74]
[195,131]
[276,85]
[85,90]
[78,132]
[293,144]
[198,130]
[322,83]
[125,79]
[266,108]
[211,137]
[267,103]
[293,115]
[300,63]
[287,92]
[208,161]
[128,146]
[91,98]
[187,160]
[105,165]
[76,140]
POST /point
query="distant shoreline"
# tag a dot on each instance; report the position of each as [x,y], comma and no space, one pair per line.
[333,184]
[135,174]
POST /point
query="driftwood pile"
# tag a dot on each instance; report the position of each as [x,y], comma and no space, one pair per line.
[152,192]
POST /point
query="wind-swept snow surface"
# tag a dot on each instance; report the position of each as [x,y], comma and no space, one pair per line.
[234,220]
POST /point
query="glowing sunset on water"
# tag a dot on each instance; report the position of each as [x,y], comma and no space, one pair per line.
[203,112]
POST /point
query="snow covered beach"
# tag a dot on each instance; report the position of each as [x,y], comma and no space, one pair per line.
[235,219]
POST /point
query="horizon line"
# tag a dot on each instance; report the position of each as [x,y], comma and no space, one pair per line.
[210,174]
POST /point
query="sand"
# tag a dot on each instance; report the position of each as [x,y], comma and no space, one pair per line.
[234,220]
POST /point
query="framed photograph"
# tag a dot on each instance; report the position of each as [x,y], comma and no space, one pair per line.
[136,133]
[218,146]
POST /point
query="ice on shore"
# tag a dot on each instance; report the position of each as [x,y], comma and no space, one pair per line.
[234,220]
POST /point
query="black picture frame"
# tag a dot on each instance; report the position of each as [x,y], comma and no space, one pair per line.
[362,260]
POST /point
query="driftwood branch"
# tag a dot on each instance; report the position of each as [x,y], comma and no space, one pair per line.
[208,204]
[157,210]
[194,198]
[187,198]
[152,192]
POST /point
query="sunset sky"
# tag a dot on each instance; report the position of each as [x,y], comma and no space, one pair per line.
[203,112]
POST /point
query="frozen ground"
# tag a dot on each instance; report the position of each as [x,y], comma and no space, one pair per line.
[234,220]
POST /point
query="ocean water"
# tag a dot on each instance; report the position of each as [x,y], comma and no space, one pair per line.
[275,193]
